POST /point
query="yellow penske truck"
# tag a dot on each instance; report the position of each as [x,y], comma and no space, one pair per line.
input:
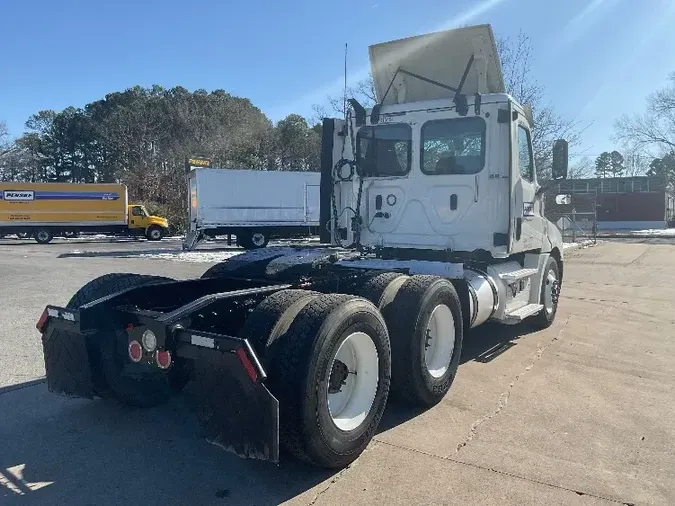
[48,210]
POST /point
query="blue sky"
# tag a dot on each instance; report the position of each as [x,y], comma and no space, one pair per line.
[596,59]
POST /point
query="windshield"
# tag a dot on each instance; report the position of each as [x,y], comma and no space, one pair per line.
[453,146]
[384,150]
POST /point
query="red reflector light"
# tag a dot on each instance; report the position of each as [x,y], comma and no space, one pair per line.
[248,365]
[41,322]
[163,359]
[135,351]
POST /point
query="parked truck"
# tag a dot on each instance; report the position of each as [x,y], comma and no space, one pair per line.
[48,210]
[253,205]
[432,224]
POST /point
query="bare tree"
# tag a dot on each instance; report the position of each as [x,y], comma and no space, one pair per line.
[583,168]
[516,59]
[652,132]
[635,162]
[5,145]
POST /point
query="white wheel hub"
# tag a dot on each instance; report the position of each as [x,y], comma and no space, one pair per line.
[352,381]
[154,233]
[439,345]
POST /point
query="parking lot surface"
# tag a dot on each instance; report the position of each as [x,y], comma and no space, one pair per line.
[581,413]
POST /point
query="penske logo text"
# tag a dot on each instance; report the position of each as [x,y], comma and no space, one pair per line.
[18,196]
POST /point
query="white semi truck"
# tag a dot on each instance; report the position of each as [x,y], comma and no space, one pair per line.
[253,205]
[432,218]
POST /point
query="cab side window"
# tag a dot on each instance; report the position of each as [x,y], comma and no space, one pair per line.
[136,211]
[525,154]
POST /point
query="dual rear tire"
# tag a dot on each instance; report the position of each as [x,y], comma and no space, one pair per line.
[332,358]
[424,317]
[328,360]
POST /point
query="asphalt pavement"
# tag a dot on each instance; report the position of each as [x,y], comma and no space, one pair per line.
[581,413]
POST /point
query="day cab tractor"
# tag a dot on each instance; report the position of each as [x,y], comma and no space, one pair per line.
[432,224]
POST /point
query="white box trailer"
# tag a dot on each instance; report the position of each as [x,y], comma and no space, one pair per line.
[253,205]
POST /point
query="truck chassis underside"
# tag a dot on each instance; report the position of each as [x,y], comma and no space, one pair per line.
[197,321]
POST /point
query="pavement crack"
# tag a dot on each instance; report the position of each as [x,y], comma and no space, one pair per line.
[504,397]
[507,473]
[336,477]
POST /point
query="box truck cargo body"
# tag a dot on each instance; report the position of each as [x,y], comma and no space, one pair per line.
[45,210]
[254,205]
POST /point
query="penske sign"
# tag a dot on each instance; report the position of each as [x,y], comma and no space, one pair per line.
[18,195]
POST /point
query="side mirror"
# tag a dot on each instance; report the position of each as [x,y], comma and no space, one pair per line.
[563,199]
[560,159]
[359,111]
[375,114]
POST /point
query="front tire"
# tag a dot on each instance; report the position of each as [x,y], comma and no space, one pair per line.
[550,292]
[426,330]
[329,412]
[154,233]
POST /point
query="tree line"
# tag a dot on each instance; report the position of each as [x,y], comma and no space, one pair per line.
[141,137]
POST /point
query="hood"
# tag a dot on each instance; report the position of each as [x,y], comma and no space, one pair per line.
[440,56]
[158,220]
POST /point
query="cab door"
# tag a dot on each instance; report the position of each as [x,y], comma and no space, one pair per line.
[138,218]
[526,208]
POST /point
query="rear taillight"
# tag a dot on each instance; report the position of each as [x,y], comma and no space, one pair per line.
[163,359]
[42,321]
[248,365]
[135,351]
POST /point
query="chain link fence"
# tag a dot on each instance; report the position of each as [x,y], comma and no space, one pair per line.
[576,226]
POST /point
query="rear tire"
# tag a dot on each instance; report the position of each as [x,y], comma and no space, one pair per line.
[43,236]
[271,319]
[327,415]
[383,288]
[138,385]
[426,329]
[253,239]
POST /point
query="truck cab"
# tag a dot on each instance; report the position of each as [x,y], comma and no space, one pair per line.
[142,222]
[444,162]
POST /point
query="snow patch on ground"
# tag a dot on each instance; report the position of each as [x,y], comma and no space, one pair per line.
[192,256]
[655,232]
[575,245]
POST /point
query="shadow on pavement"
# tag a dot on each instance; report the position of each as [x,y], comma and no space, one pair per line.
[56,450]
[486,342]
[482,344]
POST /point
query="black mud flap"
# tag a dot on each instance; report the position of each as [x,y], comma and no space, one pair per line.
[67,363]
[236,413]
